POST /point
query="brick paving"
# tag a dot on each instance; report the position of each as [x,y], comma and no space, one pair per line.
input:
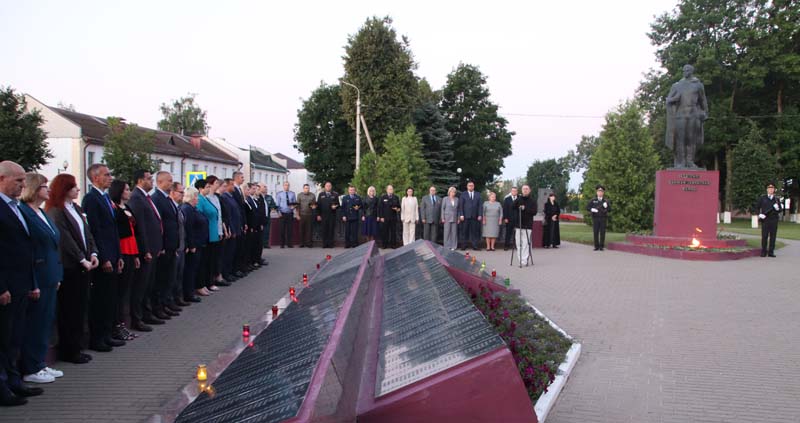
[663,340]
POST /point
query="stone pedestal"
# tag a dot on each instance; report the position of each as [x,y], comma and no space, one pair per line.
[687,203]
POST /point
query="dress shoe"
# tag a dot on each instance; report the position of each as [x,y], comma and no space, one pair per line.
[114,342]
[223,283]
[174,307]
[75,359]
[505,248]
[290,246]
[100,347]
[771,255]
[597,249]
[181,303]
[170,313]
[86,357]
[152,321]
[141,327]
[193,299]
[159,314]
[11,400]
[239,274]
[23,391]
[763,254]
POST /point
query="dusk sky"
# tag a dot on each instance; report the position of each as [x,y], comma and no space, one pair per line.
[251,63]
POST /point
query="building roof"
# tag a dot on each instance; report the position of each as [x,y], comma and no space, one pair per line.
[290,162]
[95,129]
[263,161]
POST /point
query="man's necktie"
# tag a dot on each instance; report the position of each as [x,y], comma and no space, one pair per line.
[155,210]
[108,201]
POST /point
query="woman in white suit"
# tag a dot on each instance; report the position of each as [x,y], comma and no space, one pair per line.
[409,215]
[450,215]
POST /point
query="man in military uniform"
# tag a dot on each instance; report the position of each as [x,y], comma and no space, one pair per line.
[769,209]
[599,207]
[388,209]
[328,203]
[351,215]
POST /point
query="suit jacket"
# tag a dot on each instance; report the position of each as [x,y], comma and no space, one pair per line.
[766,207]
[17,274]
[148,225]
[234,219]
[451,209]
[409,210]
[196,227]
[386,207]
[508,210]
[71,243]
[241,208]
[46,238]
[262,210]
[181,229]
[348,204]
[103,225]
[252,213]
[212,217]
[169,219]
[431,212]
[471,208]
[527,213]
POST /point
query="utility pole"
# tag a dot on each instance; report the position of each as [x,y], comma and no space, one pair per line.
[358,123]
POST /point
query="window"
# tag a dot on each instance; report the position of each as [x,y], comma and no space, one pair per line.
[90,158]
[215,170]
[224,172]
[171,167]
[206,169]
[194,167]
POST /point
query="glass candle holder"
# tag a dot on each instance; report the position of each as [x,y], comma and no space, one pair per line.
[202,372]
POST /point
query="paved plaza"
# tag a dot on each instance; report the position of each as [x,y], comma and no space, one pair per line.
[663,340]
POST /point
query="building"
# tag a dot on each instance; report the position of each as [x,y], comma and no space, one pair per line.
[264,169]
[76,141]
[298,174]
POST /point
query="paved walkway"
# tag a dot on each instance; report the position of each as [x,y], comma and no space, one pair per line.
[663,340]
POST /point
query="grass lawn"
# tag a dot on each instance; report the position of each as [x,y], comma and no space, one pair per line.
[788,230]
[582,234]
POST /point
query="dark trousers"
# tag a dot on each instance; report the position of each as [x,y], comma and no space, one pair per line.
[389,233]
[204,267]
[177,275]
[328,230]
[73,299]
[306,230]
[125,283]
[351,233]
[241,253]
[231,261]
[165,271]
[286,228]
[471,232]
[265,233]
[255,247]
[140,290]
[190,266]
[509,234]
[40,316]
[12,327]
[769,230]
[430,231]
[599,231]
[211,263]
[102,305]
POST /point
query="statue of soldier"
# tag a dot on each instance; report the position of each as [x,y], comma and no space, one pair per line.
[687,109]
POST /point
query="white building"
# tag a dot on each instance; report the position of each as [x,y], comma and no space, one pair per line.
[298,174]
[257,165]
[76,141]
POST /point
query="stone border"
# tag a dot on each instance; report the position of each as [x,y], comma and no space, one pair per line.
[547,400]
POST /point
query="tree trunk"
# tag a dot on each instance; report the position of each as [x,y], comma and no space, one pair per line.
[780,98]
[728,178]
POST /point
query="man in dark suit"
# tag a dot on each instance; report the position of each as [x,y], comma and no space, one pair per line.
[471,215]
[16,280]
[263,214]
[103,290]
[351,215]
[430,213]
[233,221]
[600,207]
[253,222]
[176,195]
[161,297]
[149,239]
[238,193]
[769,208]
[327,205]
[510,219]
[388,210]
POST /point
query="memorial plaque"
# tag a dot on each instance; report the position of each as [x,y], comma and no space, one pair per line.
[429,324]
[268,382]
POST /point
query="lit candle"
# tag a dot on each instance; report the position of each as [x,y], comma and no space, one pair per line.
[202,373]
[507,282]
[474,260]
[328,257]
[305,280]
[466,256]
[483,265]
[246,330]
[494,273]
[292,293]
[274,311]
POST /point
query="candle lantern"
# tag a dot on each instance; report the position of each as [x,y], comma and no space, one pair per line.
[292,294]
[202,373]
[466,256]
[483,265]
[305,280]
[474,260]
[246,330]
[507,282]
[274,311]
[494,273]
[328,257]
[317,266]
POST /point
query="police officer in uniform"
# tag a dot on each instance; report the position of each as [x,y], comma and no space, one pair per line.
[327,203]
[769,209]
[599,207]
[388,208]
[351,215]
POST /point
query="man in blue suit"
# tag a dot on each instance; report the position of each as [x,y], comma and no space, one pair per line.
[471,215]
[16,281]
[103,291]
[161,298]
[233,221]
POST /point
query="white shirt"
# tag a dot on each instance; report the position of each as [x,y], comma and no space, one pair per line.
[155,209]
[70,208]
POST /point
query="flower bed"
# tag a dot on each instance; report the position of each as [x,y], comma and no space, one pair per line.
[537,347]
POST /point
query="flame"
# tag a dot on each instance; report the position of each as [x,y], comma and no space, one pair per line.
[695,243]
[698,230]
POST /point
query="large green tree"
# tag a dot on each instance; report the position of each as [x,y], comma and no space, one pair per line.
[625,163]
[382,67]
[551,174]
[402,165]
[754,166]
[367,174]
[325,138]
[437,145]
[21,138]
[184,116]
[480,138]
[127,149]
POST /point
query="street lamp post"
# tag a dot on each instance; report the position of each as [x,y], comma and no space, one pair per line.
[358,124]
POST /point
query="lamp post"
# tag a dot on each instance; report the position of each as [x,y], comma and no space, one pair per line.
[358,124]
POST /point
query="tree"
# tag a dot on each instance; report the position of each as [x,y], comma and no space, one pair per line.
[383,69]
[480,138]
[183,117]
[754,166]
[437,145]
[550,174]
[323,136]
[402,165]
[22,139]
[625,163]
[127,149]
[367,174]
[578,159]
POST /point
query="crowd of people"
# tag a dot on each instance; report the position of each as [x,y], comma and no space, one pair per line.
[129,257]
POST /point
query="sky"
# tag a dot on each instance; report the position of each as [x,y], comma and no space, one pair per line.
[252,62]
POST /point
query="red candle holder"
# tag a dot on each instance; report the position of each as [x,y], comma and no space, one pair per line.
[317,266]
[305,280]
[274,311]
[473,260]
[466,256]
[246,330]
[494,273]
[328,257]
[292,293]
